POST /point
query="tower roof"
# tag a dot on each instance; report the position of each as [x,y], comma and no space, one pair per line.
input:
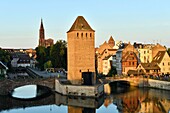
[111,42]
[80,24]
[41,26]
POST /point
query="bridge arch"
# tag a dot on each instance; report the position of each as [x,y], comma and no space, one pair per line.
[119,86]
[9,85]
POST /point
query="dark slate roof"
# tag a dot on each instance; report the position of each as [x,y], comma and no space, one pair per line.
[136,72]
[150,66]
[80,24]
[159,56]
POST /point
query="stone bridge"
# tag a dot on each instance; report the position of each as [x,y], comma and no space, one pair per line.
[8,85]
[132,81]
[110,83]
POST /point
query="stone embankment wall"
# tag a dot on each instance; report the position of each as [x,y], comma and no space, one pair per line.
[79,90]
[159,84]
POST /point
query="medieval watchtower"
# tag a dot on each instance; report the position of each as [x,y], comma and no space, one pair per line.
[81,51]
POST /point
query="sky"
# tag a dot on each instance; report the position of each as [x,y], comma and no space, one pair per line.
[144,21]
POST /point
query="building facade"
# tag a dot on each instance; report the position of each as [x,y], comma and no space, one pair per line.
[163,60]
[105,50]
[81,50]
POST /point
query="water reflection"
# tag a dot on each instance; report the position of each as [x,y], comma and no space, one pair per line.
[25,92]
[141,101]
[133,101]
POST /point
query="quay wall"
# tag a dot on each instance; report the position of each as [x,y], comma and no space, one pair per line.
[158,84]
[78,90]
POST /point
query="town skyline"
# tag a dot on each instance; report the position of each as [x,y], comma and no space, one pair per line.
[144,22]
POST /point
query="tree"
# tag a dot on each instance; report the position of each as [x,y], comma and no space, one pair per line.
[48,64]
[4,56]
[112,71]
[168,51]
[41,56]
[58,54]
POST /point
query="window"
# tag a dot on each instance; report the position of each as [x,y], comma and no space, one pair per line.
[168,63]
[90,35]
[163,63]
[133,63]
[86,34]
[144,52]
[129,63]
[77,34]
[82,35]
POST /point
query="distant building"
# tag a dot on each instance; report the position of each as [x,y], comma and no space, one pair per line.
[145,53]
[42,41]
[108,63]
[22,60]
[129,62]
[81,51]
[127,58]
[105,50]
[163,60]
[149,68]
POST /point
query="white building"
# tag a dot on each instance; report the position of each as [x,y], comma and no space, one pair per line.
[108,62]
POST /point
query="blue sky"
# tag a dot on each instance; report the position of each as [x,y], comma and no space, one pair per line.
[146,21]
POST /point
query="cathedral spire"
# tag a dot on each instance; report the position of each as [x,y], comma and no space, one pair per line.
[41,34]
[41,26]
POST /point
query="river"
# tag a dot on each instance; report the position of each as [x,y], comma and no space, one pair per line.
[130,101]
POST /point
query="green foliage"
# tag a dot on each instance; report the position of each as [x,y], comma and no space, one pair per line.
[168,51]
[112,71]
[41,56]
[48,64]
[4,56]
[56,54]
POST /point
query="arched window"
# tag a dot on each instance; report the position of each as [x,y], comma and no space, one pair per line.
[77,34]
[82,35]
[86,34]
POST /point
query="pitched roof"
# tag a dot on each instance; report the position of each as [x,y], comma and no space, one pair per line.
[80,24]
[159,56]
[128,54]
[111,42]
[107,57]
[150,66]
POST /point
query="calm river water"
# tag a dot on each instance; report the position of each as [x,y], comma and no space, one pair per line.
[131,101]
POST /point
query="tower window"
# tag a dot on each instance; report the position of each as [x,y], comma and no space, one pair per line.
[77,34]
[82,35]
[86,34]
[90,34]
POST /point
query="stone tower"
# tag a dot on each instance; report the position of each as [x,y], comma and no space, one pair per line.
[81,50]
[41,35]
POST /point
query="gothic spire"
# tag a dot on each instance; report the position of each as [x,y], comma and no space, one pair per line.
[41,26]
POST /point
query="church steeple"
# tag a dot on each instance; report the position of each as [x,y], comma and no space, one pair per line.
[41,26]
[41,34]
